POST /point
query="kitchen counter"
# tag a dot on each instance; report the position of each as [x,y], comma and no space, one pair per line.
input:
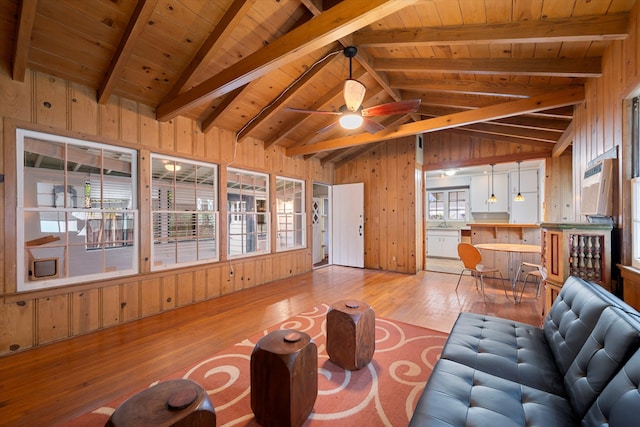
[500,225]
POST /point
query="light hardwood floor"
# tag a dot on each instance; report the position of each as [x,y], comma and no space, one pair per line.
[57,382]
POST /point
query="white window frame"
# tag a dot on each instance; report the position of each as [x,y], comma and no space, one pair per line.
[446,215]
[288,215]
[179,177]
[71,215]
[248,216]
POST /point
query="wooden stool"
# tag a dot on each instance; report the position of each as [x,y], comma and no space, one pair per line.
[351,334]
[284,378]
[180,403]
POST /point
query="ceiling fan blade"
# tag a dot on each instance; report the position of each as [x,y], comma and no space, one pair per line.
[302,110]
[371,126]
[353,94]
[327,128]
[400,107]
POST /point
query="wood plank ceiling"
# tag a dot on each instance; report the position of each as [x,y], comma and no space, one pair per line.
[511,70]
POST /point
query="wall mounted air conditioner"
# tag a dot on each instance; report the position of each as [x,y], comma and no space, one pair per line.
[597,189]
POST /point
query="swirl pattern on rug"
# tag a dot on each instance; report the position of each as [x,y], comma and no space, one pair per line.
[384,393]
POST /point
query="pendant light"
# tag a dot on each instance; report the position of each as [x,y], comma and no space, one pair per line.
[492,199]
[519,197]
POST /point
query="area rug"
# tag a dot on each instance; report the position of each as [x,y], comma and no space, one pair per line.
[384,393]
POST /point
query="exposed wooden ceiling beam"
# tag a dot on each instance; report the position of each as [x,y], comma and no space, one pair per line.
[507,109]
[474,87]
[479,161]
[210,121]
[277,104]
[491,128]
[229,21]
[555,67]
[576,29]
[337,22]
[27,16]
[135,26]
[525,121]
[459,101]
[467,131]
[564,142]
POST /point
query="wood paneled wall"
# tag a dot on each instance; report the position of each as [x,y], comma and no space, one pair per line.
[392,218]
[444,147]
[50,104]
[602,124]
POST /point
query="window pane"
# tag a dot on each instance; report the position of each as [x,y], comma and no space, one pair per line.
[76,206]
[290,213]
[180,190]
[247,204]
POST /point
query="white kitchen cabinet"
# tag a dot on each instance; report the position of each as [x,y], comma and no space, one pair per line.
[526,211]
[528,181]
[443,243]
[481,191]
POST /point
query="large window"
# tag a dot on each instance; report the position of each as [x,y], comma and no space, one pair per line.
[290,213]
[447,204]
[76,211]
[247,209]
[184,204]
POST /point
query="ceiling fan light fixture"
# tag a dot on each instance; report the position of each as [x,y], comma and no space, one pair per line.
[353,94]
[351,121]
[172,167]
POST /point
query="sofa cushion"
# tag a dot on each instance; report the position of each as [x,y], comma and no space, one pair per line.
[615,337]
[619,403]
[571,319]
[458,395]
[512,350]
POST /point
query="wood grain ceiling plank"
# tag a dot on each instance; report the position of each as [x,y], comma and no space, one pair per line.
[335,23]
[582,28]
[507,109]
[210,121]
[137,23]
[563,67]
[277,103]
[214,41]
[26,18]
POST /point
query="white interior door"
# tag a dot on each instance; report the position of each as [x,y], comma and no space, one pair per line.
[348,225]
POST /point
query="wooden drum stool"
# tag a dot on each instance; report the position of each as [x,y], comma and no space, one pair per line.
[284,378]
[351,334]
[180,403]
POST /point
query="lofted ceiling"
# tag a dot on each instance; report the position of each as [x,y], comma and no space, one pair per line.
[509,70]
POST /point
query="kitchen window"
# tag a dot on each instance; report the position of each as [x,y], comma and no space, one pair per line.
[447,204]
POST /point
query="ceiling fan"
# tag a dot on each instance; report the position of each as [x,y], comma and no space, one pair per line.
[352,115]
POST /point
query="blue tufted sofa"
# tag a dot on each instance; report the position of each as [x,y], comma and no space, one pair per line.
[581,368]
